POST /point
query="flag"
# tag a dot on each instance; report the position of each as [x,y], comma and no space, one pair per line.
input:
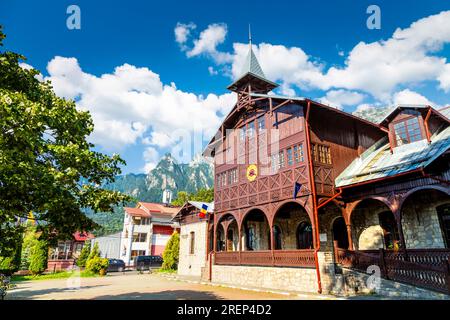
[203,211]
[297,187]
[31,218]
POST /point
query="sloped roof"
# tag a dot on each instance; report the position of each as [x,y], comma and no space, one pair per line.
[136,212]
[152,207]
[83,236]
[252,69]
[378,162]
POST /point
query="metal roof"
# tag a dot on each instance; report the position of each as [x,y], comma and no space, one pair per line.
[253,68]
[378,162]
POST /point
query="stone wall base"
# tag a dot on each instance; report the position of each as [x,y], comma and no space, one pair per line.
[346,283]
[276,278]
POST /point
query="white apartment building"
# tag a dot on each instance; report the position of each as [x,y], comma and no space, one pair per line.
[146,230]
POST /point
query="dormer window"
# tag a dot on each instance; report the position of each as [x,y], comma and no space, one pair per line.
[407,131]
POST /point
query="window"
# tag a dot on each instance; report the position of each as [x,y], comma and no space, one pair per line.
[261,124]
[250,129]
[407,131]
[290,160]
[242,134]
[233,176]
[274,162]
[281,162]
[298,153]
[321,153]
[192,243]
[135,253]
[139,237]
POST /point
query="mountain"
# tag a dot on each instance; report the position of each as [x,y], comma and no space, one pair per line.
[372,114]
[168,174]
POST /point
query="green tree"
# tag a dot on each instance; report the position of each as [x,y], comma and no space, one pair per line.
[39,257]
[95,252]
[47,166]
[84,255]
[171,252]
[29,240]
[10,263]
[203,195]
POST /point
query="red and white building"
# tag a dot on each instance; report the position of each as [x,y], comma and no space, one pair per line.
[146,230]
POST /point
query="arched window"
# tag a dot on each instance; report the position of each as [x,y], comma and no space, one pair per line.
[304,236]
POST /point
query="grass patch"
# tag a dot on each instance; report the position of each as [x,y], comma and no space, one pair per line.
[56,275]
[165,271]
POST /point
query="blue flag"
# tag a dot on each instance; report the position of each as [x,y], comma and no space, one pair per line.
[297,187]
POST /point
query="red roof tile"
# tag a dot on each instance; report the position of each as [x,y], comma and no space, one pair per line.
[82,236]
[136,212]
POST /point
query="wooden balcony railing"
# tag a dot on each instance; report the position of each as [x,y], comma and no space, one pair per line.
[425,268]
[278,258]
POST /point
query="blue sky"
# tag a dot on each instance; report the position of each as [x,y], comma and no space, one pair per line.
[127,68]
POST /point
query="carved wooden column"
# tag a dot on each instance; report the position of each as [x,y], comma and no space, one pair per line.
[350,237]
[214,249]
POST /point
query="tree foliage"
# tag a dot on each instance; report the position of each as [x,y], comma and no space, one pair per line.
[39,257]
[84,254]
[203,195]
[47,166]
[95,252]
[96,264]
[172,252]
[29,241]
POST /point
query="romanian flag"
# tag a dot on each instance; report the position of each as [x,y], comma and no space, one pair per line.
[203,211]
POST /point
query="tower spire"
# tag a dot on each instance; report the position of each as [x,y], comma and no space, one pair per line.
[249,35]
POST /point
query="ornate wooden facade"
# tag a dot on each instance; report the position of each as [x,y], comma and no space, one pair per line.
[311,146]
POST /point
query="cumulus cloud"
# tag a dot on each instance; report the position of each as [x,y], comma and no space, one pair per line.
[409,56]
[410,97]
[131,105]
[151,158]
[182,32]
[340,98]
[206,43]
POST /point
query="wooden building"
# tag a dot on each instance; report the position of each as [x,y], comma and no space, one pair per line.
[309,189]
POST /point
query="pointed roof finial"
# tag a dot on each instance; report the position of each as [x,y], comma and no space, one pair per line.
[249,35]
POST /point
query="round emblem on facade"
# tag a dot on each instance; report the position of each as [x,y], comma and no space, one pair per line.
[252,172]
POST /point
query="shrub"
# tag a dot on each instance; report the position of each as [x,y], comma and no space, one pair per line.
[84,255]
[39,257]
[97,265]
[171,252]
[95,252]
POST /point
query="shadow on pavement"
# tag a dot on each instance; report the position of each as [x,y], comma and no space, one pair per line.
[30,294]
[162,295]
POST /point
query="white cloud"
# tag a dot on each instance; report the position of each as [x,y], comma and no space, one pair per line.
[409,56]
[410,97]
[26,66]
[444,78]
[182,32]
[206,43]
[212,71]
[151,158]
[131,105]
[340,98]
